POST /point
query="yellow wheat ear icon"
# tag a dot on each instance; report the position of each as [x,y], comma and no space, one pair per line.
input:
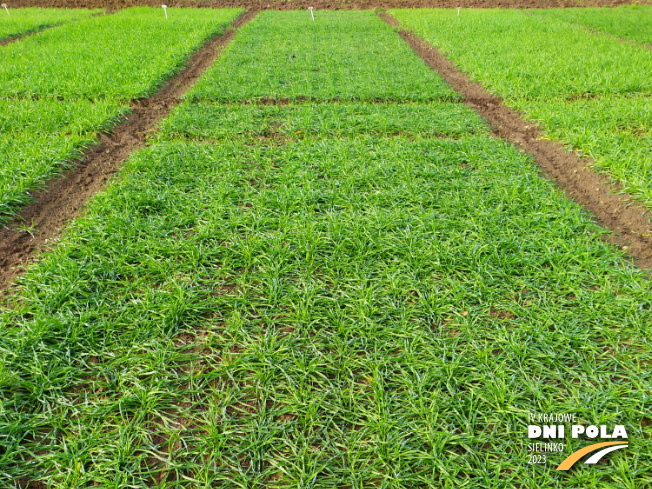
[575,456]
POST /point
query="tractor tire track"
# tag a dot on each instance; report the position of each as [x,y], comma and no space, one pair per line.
[629,220]
[63,198]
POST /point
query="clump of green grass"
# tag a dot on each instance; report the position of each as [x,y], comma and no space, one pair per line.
[343,311]
[216,121]
[121,56]
[25,20]
[632,22]
[341,55]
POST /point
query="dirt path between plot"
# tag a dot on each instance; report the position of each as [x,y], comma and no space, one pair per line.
[63,198]
[619,213]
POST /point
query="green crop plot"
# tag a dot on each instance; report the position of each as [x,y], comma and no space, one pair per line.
[521,56]
[615,131]
[95,65]
[214,121]
[25,20]
[632,22]
[45,117]
[358,293]
[39,138]
[345,311]
[589,91]
[342,55]
[121,56]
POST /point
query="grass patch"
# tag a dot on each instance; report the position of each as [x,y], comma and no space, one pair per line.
[615,131]
[633,22]
[586,90]
[44,117]
[216,122]
[25,20]
[520,56]
[39,138]
[61,87]
[342,55]
[121,56]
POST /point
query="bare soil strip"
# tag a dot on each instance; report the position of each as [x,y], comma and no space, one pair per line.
[619,213]
[322,4]
[63,198]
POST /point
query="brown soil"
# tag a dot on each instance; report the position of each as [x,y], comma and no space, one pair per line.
[62,199]
[619,213]
[322,4]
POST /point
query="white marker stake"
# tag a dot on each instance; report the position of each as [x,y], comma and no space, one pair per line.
[4,6]
[458,11]
[165,9]
[313,15]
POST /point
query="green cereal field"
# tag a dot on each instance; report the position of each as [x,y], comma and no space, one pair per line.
[322,268]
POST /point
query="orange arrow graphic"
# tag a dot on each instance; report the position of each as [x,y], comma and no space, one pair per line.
[575,456]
